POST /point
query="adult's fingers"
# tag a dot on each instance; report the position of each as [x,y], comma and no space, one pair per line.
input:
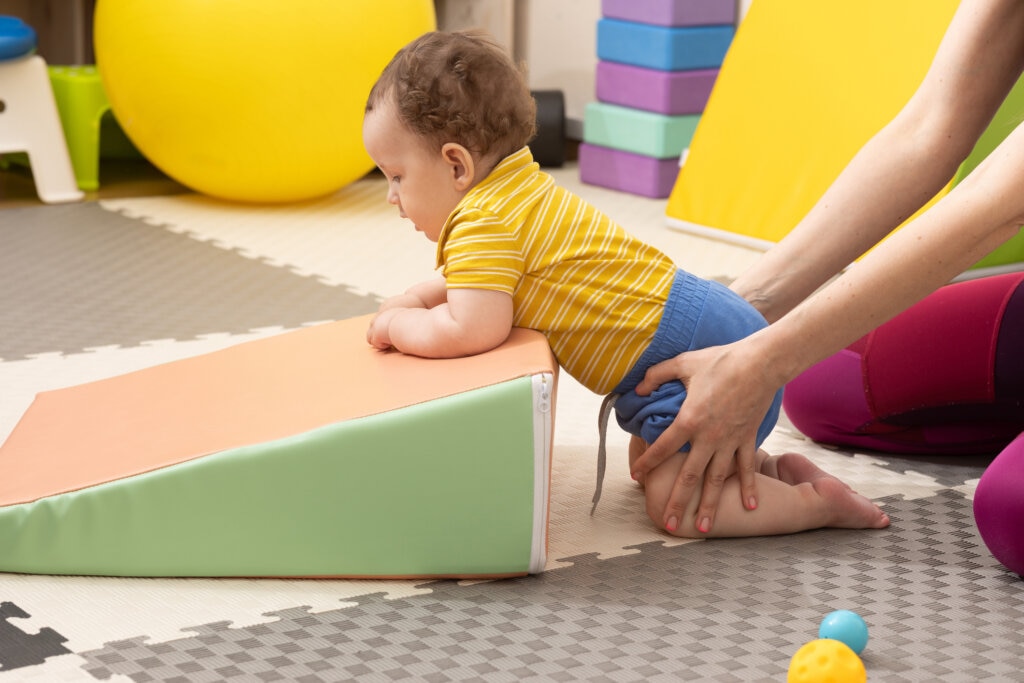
[659,373]
[667,444]
[745,469]
[686,486]
[722,465]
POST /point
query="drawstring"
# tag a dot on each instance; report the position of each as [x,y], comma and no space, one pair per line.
[602,427]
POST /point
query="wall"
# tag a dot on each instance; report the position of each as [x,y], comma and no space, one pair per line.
[556,39]
[63,27]
[558,42]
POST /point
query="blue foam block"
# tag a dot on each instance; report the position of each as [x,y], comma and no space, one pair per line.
[662,47]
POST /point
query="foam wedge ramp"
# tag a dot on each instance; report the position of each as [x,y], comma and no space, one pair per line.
[306,454]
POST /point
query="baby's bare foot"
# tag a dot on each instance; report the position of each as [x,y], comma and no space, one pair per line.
[849,510]
[794,468]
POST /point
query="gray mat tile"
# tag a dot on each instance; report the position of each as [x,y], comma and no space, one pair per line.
[77,276]
[937,604]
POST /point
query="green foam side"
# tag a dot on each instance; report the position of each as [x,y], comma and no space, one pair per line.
[1010,114]
[641,132]
[441,488]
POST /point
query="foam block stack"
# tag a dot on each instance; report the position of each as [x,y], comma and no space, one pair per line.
[657,62]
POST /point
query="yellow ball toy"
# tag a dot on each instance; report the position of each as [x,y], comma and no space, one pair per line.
[826,660]
[251,100]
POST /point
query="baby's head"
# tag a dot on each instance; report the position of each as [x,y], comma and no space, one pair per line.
[459,87]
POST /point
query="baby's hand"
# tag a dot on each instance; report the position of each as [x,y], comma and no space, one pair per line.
[377,334]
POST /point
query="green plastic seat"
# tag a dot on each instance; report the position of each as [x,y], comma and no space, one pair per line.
[89,126]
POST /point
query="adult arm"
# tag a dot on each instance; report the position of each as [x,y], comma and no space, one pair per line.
[905,164]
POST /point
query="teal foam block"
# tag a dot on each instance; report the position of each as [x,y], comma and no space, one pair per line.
[662,47]
[640,132]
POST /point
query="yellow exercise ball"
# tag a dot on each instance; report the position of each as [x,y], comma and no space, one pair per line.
[251,100]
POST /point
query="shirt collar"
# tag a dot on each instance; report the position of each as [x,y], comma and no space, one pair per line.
[513,163]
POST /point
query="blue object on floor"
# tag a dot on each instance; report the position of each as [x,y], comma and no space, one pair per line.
[17,38]
[846,627]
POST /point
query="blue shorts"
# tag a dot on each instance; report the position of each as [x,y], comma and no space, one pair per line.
[699,313]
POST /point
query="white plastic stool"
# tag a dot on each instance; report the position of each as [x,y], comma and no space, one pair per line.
[29,123]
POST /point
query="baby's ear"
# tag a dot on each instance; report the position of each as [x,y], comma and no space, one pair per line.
[463,165]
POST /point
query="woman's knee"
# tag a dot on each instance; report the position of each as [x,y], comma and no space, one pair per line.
[827,402]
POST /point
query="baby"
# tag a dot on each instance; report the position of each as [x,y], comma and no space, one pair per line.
[448,123]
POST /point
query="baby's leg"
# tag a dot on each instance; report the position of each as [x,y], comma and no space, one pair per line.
[793,495]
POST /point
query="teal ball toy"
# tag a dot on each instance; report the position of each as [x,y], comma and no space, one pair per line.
[847,627]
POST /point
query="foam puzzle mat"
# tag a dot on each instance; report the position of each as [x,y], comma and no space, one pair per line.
[99,289]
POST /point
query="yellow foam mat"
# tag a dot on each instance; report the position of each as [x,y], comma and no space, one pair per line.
[804,86]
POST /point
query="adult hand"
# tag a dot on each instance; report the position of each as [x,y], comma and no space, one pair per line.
[728,395]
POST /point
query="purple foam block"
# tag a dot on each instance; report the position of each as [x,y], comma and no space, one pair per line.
[672,12]
[663,92]
[627,172]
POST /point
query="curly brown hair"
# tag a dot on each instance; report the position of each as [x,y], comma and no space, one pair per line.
[459,87]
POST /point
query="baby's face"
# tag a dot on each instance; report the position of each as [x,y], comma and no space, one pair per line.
[420,183]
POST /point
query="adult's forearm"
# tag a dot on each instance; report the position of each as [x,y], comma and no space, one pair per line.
[981,213]
[888,180]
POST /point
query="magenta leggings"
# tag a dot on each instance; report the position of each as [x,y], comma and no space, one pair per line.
[946,376]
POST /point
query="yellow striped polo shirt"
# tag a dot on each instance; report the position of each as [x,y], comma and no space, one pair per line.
[595,291]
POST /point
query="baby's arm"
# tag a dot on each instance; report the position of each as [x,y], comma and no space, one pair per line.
[467,322]
[427,294]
